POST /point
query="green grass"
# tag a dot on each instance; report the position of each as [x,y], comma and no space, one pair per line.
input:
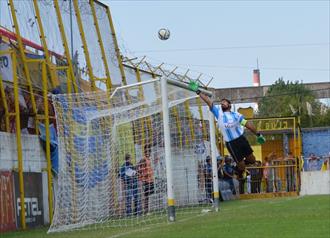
[307,216]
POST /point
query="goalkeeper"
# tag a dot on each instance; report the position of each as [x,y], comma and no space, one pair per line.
[232,126]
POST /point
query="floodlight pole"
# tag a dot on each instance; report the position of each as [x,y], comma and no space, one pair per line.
[214,163]
[168,157]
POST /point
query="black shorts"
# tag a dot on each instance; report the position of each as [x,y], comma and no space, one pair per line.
[148,188]
[239,148]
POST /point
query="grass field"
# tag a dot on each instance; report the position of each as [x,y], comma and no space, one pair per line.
[307,216]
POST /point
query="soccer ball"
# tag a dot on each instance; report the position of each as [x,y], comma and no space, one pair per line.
[164,34]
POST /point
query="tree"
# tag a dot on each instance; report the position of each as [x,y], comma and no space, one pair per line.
[293,99]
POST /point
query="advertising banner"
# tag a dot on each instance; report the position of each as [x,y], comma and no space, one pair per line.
[6,69]
[33,199]
[7,207]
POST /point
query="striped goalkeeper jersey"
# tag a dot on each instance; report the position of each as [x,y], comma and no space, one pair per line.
[229,123]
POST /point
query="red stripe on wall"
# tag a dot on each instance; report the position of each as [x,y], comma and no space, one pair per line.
[12,36]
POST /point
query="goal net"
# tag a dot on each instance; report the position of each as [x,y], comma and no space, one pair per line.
[112,169]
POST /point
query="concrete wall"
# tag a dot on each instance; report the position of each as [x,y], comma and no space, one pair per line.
[315,182]
[34,160]
[253,94]
[33,154]
[317,141]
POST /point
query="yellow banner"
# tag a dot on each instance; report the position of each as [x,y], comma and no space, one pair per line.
[274,124]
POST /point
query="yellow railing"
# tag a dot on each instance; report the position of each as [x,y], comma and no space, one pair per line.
[277,179]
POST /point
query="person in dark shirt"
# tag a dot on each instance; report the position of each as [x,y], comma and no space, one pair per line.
[228,174]
[129,178]
[256,177]
[208,179]
[220,164]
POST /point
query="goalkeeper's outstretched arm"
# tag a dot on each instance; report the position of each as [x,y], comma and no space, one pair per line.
[194,86]
[205,98]
[249,125]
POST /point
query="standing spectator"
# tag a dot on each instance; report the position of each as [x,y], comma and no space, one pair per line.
[325,165]
[208,179]
[242,180]
[248,183]
[129,178]
[258,177]
[200,176]
[312,162]
[290,172]
[146,176]
[277,172]
[267,175]
[228,174]
[220,164]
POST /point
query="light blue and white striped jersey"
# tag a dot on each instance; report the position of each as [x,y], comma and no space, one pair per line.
[229,123]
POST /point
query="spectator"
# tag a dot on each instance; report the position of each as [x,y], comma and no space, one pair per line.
[278,172]
[256,177]
[325,165]
[228,174]
[312,162]
[248,183]
[208,179]
[200,175]
[146,176]
[290,172]
[267,175]
[220,164]
[242,179]
[129,178]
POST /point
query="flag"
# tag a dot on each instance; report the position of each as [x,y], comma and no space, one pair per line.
[324,165]
[294,111]
[309,109]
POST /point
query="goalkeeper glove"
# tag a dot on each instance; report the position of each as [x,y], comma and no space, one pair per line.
[260,139]
[193,86]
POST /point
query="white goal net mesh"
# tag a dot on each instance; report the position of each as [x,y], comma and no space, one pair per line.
[112,167]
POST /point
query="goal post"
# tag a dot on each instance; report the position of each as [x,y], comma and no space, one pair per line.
[167,145]
[215,178]
[126,160]
[170,192]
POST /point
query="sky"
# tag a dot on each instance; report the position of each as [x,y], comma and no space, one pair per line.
[225,39]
